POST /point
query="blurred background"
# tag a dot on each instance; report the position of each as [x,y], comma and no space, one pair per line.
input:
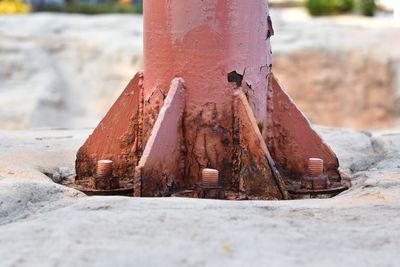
[64,62]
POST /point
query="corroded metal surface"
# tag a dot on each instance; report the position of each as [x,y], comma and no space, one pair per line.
[291,139]
[223,110]
[124,189]
[202,42]
[160,172]
[257,178]
[315,178]
[117,137]
[317,193]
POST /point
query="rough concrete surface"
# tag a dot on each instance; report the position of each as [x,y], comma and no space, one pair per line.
[66,70]
[45,224]
[321,60]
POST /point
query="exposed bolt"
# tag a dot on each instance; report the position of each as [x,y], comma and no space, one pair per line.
[315,167]
[210,178]
[104,169]
[315,179]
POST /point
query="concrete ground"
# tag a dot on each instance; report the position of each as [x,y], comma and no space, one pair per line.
[45,224]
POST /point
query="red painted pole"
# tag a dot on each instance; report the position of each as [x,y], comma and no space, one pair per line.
[207,99]
[203,41]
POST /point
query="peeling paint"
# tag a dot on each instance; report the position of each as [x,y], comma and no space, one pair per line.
[162,132]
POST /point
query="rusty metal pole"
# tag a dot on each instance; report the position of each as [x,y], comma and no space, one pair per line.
[207,99]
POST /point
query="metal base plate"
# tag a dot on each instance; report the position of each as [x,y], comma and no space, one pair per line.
[126,189]
[330,191]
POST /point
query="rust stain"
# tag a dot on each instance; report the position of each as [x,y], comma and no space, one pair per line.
[207,100]
[159,170]
[291,139]
[258,177]
[117,137]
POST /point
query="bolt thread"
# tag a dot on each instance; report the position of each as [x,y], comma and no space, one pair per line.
[210,178]
[104,169]
[315,166]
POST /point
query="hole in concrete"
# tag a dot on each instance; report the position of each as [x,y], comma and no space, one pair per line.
[296,193]
[66,176]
